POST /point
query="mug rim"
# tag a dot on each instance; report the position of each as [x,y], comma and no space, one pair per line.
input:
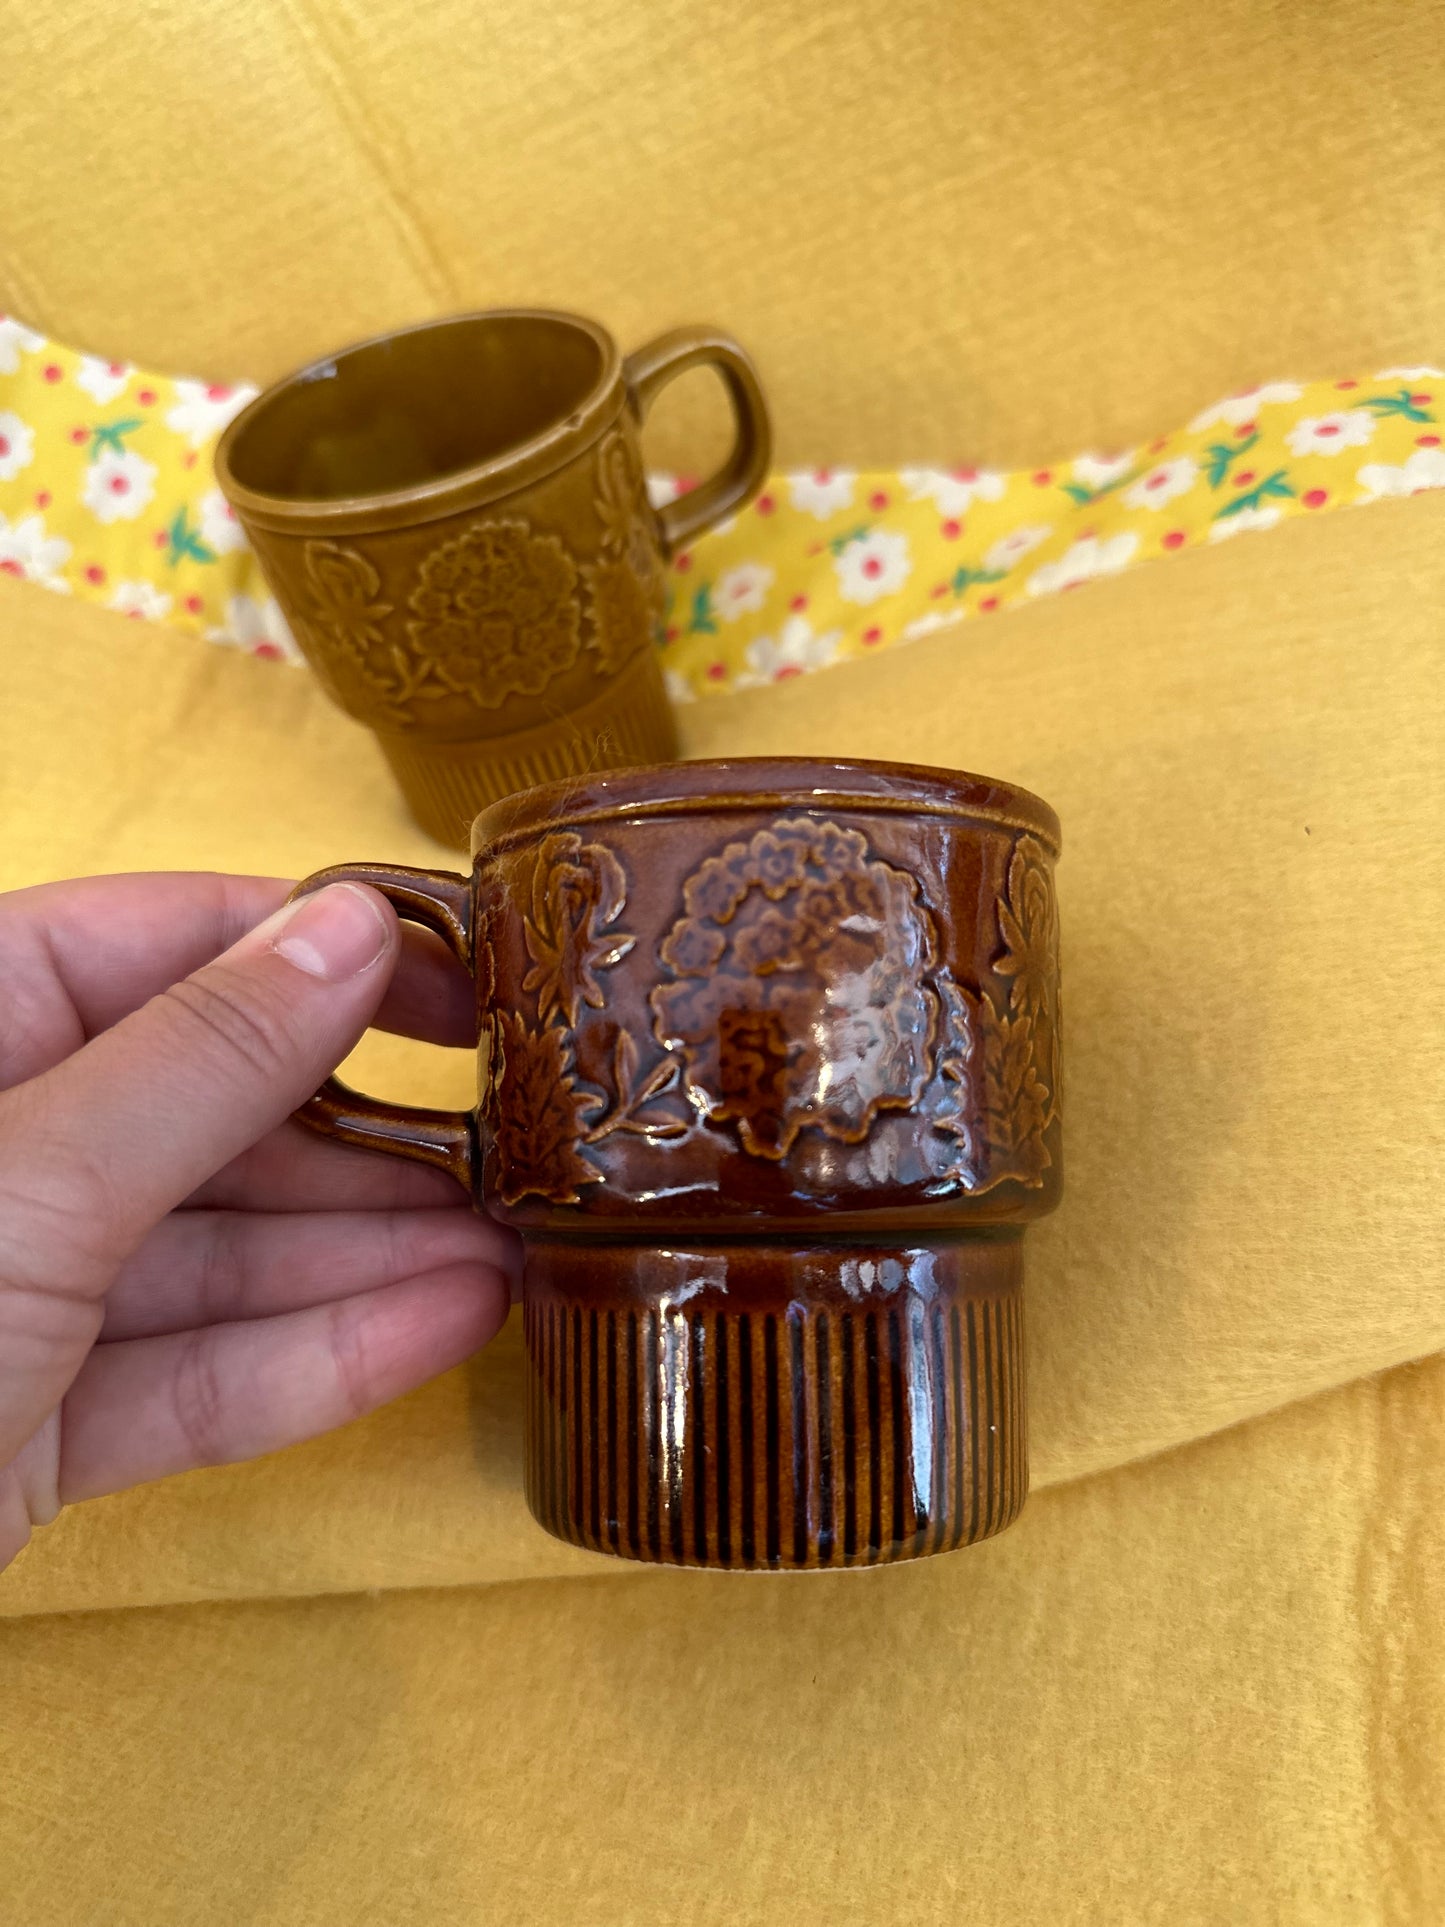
[863,786]
[525,462]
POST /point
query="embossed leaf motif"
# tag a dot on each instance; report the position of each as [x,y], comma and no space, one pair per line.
[489,1039]
[619,489]
[345,593]
[624,586]
[542,1119]
[539,1115]
[799,998]
[1001,1061]
[624,609]
[346,618]
[955,1055]
[635,1109]
[578,891]
[1015,1099]
[1029,925]
[495,613]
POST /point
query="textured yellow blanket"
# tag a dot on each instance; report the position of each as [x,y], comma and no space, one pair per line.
[1200,1682]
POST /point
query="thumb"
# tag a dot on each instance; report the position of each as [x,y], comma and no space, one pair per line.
[96,1151]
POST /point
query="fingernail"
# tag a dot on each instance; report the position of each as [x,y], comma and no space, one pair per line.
[334,934]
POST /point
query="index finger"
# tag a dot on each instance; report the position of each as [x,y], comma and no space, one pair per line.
[77,956]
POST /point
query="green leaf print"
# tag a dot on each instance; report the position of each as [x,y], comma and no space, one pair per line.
[701,622]
[838,543]
[1402,403]
[966,578]
[1271,485]
[111,436]
[1081,493]
[1220,457]
[182,540]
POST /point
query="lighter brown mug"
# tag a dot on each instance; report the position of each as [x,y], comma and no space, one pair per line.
[455,521]
[769,1079]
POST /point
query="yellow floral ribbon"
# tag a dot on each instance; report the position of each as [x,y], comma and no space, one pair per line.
[107,491]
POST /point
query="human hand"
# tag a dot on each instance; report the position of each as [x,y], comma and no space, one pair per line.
[186,1276]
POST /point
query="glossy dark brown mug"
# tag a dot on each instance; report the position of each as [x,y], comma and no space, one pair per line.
[769,1074]
[455,521]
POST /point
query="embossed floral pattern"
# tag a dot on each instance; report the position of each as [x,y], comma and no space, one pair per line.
[495,613]
[345,596]
[1029,924]
[1000,1056]
[624,610]
[619,488]
[539,1114]
[624,585]
[799,997]
[804,990]
[345,607]
[577,892]
[1015,1100]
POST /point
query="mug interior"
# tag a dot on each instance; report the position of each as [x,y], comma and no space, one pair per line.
[416,407]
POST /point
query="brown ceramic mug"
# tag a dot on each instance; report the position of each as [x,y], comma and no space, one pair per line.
[769,1074]
[455,521]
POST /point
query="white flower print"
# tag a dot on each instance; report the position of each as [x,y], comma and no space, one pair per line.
[795,650]
[1098,471]
[823,491]
[17,445]
[679,689]
[1330,434]
[1161,484]
[16,341]
[930,620]
[662,489]
[1425,469]
[26,550]
[953,491]
[741,591]
[1240,409]
[256,623]
[103,380]
[220,528]
[118,487]
[1263,517]
[202,410]
[1089,557]
[140,599]
[1410,374]
[872,566]
[1010,549]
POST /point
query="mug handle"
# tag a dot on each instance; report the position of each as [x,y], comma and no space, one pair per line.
[440,901]
[661,361]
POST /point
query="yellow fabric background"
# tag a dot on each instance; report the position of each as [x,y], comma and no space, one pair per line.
[996,233]
[1196,1687]
[1190,1694]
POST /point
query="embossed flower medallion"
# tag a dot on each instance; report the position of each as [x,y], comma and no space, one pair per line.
[495,614]
[800,998]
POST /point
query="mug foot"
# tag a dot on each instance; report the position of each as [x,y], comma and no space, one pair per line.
[746,1406]
[447,784]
